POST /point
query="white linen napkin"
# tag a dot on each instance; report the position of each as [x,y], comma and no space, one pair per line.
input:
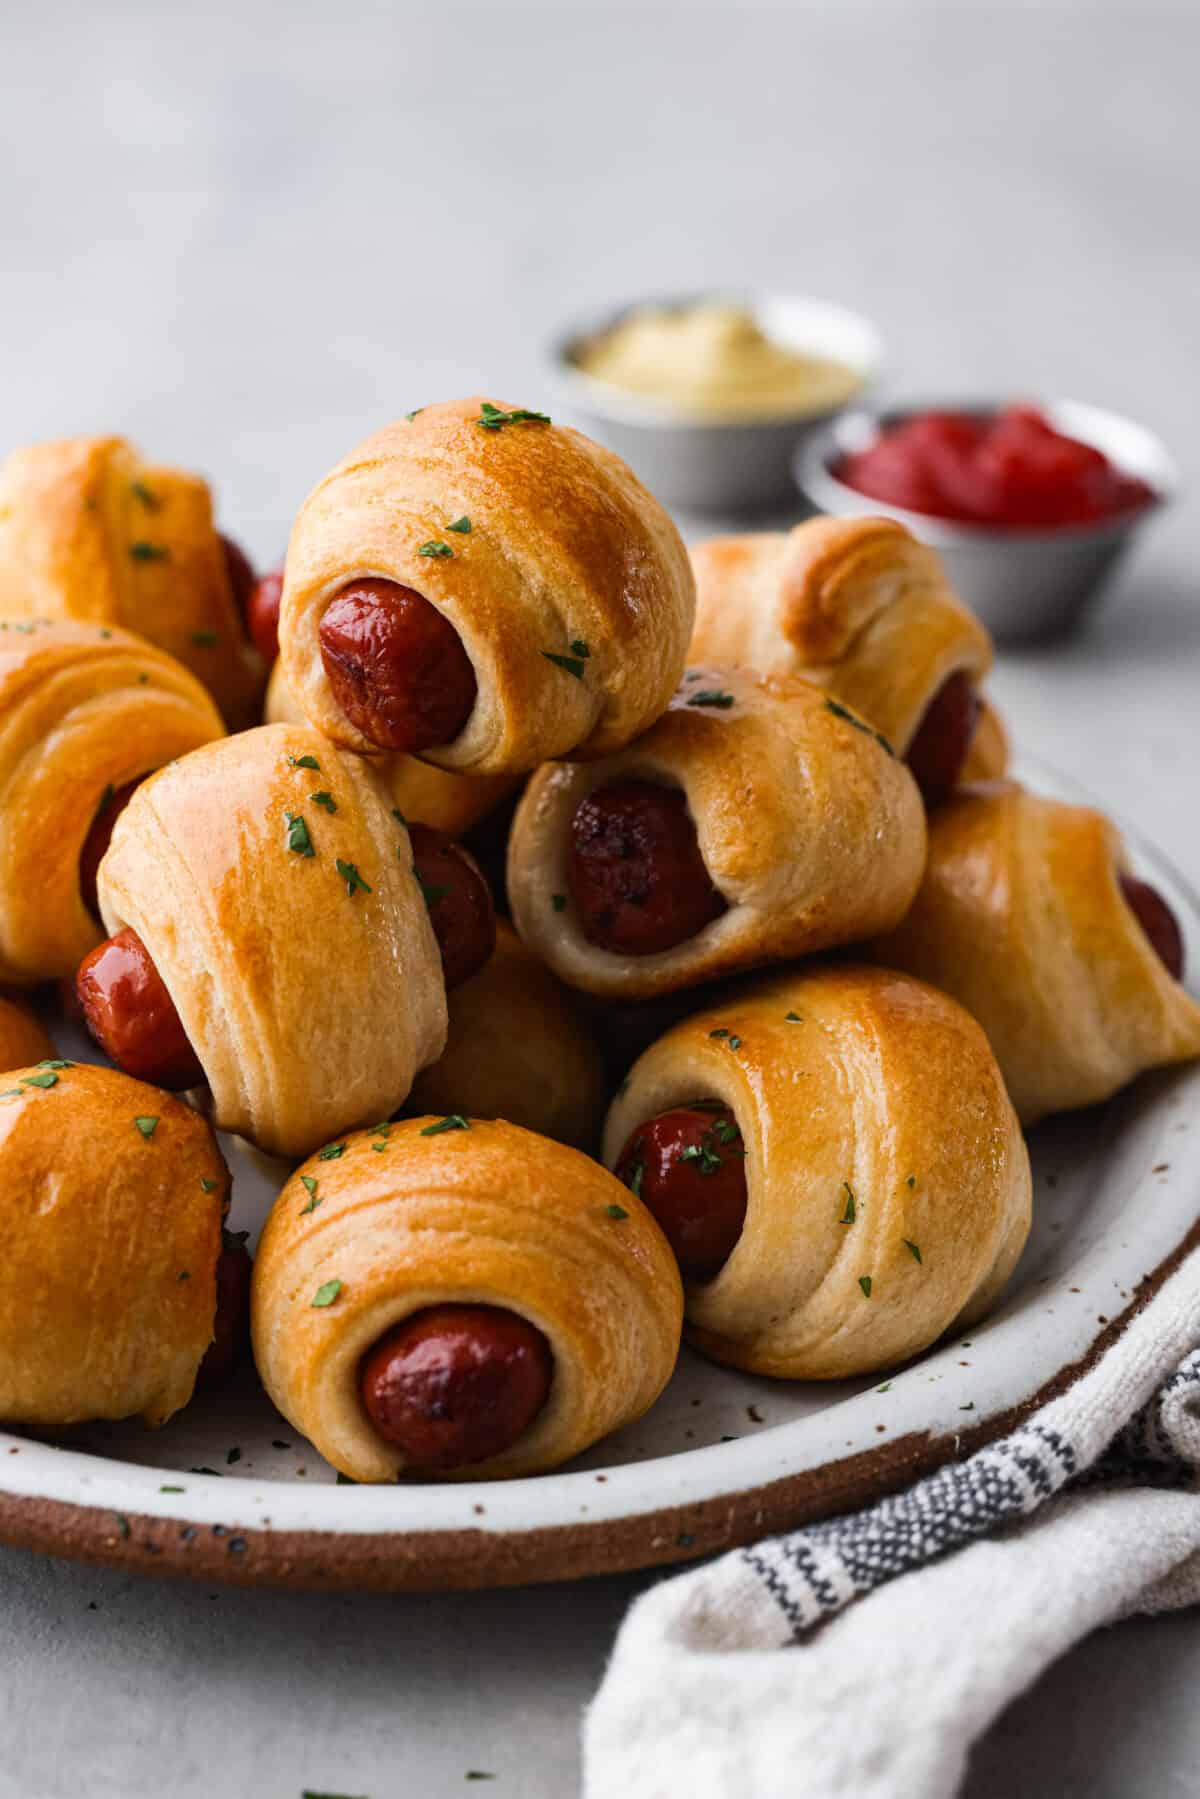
[861,1657]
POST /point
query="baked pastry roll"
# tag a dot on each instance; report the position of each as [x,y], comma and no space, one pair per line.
[464,1299]
[23,1039]
[859,606]
[111,1202]
[90,530]
[85,711]
[517,1048]
[1030,915]
[276,918]
[835,1159]
[422,792]
[484,589]
[758,820]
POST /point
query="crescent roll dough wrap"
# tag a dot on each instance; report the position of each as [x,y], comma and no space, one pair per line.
[517,1048]
[808,826]
[490,1214]
[23,1040]
[83,710]
[1022,919]
[565,549]
[90,530]
[888,1184]
[109,1239]
[424,794]
[292,937]
[857,605]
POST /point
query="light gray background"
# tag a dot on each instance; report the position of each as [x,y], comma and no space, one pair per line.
[246,235]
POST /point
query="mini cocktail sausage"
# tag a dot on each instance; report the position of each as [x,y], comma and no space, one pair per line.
[635,870]
[939,749]
[688,1166]
[396,666]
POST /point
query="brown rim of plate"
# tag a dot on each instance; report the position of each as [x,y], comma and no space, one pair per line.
[442,1560]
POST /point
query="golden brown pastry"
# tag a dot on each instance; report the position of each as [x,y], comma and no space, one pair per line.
[460,1298]
[271,886]
[111,1201]
[486,589]
[518,1049]
[84,711]
[89,530]
[1030,915]
[861,607]
[423,793]
[758,820]
[885,1185]
[23,1039]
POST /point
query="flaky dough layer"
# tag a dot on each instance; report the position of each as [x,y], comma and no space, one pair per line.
[491,1215]
[888,1183]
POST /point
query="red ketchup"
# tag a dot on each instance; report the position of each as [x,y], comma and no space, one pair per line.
[1009,469]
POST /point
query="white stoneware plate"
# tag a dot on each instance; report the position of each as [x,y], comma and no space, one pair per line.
[228,1492]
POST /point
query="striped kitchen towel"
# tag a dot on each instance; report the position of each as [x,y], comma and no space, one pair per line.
[860,1658]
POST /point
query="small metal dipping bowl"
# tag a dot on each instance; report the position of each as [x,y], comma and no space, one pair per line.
[715,464]
[1023,583]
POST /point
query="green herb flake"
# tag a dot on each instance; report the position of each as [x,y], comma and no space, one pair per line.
[172,1489]
[325,1294]
[864,1281]
[615,1211]
[792,1018]
[848,1215]
[149,552]
[707,1158]
[380,1147]
[580,648]
[304,762]
[914,1249]
[573,665]
[207,1186]
[297,837]
[415,413]
[205,640]
[493,417]
[55,1062]
[185,1274]
[559,901]
[431,891]
[11,1093]
[454,1121]
[397,814]
[147,1126]
[886,1387]
[233,1455]
[325,800]
[435,549]
[49,1079]
[461,525]
[310,1187]
[851,718]
[713,697]
[141,492]
[726,1130]
[123,1524]
[911,1181]
[637,1176]
[969,1407]
[478,1774]
[331,1152]
[720,1032]
[349,873]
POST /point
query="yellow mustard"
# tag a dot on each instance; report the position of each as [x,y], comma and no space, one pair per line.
[712,360]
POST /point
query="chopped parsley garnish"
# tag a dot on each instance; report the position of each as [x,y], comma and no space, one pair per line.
[733,1041]
[122,1524]
[349,873]
[434,548]
[911,1181]
[48,1079]
[914,1249]
[141,492]
[147,1126]
[325,1294]
[185,1274]
[573,665]
[453,1122]
[298,839]
[580,648]
[331,1152]
[172,1489]
[207,1186]
[712,696]
[969,1407]
[726,1130]
[304,762]
[840,711]
[559,901]
[636,1177]
[493,417]
[848,1215]
[204,640]
[149,552]
[323,799]
[55,1062]
[310,1187]
[616,1211]
[397,814]
[410,416]
[431,892]
[708,1158]
[864,1281]
[792,1018]
[232,1455]
[461,525]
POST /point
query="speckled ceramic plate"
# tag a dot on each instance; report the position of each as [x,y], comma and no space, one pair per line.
[228,1492]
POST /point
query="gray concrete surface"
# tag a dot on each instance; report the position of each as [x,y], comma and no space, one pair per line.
[248,234]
